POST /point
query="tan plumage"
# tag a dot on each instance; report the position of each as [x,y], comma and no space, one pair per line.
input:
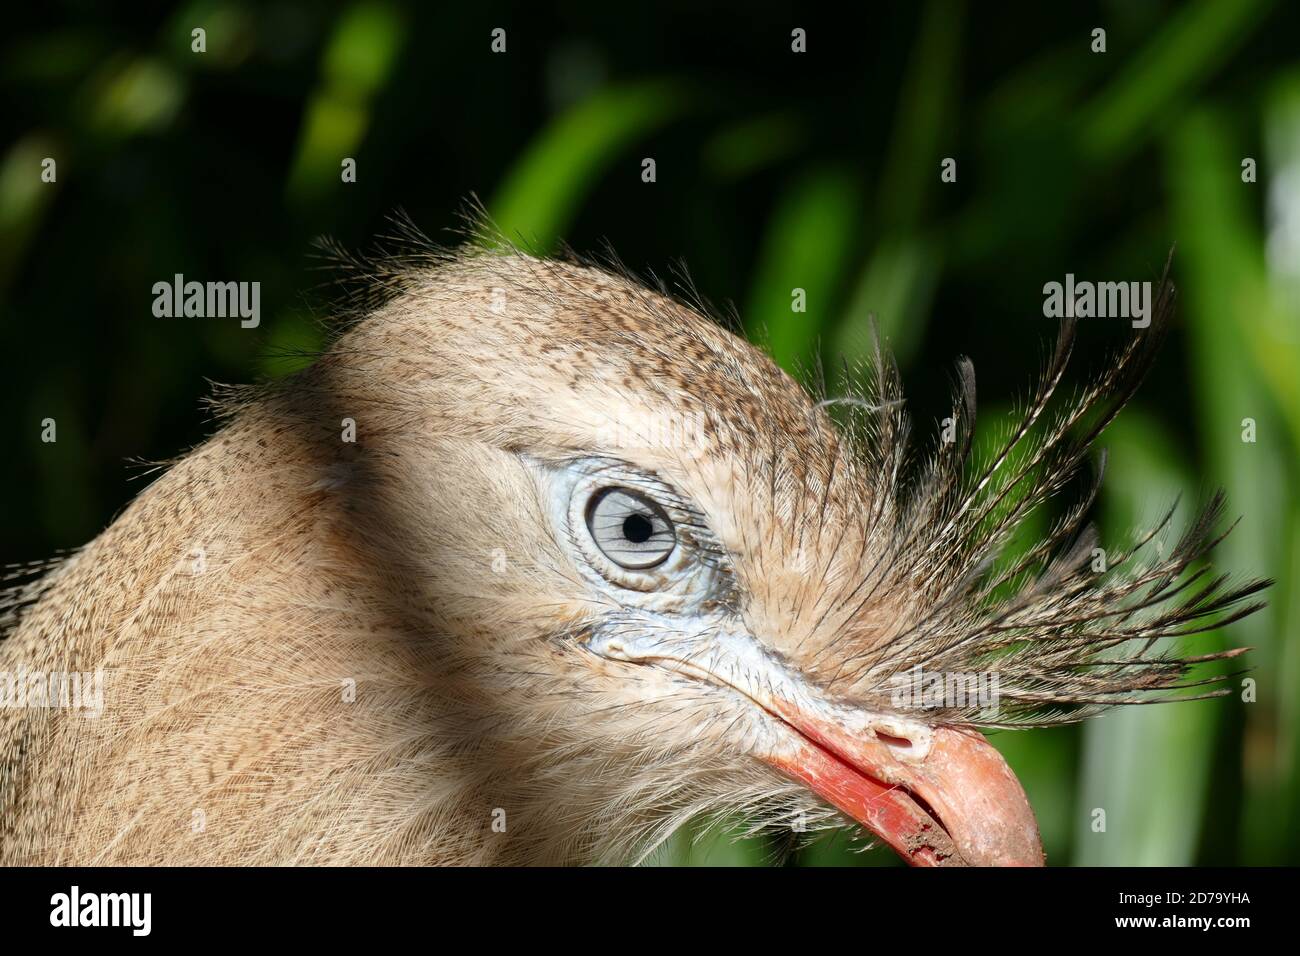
[235,599]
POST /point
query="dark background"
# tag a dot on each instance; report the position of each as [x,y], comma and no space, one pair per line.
[775,170]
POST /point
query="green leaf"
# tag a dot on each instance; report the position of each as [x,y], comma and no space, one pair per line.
[1198,39]
[802,263]
[541,195]
[1147,769]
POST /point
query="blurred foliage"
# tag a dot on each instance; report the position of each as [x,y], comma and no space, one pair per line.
[775,171]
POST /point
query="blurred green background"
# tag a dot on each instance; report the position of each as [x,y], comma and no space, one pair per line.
[775,170]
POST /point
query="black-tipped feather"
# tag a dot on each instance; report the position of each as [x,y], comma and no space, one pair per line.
[1063,640]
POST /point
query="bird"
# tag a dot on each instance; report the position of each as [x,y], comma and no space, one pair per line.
[537,562]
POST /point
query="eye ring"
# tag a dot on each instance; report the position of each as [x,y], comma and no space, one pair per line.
[629,528]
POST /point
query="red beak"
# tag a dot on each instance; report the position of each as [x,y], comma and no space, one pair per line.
[945,799]
[937,795]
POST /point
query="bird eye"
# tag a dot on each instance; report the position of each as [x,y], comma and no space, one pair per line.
[630,529]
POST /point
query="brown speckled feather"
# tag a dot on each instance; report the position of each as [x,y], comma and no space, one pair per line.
[320,651]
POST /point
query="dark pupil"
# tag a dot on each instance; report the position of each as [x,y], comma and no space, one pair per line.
[637,528]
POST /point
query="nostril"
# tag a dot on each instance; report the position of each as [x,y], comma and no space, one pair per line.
[905,740]
[897,743]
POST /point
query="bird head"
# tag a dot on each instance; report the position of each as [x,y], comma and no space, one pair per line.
[680,583]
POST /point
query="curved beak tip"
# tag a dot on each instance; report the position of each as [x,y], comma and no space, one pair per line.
[979,801]
[953,802]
